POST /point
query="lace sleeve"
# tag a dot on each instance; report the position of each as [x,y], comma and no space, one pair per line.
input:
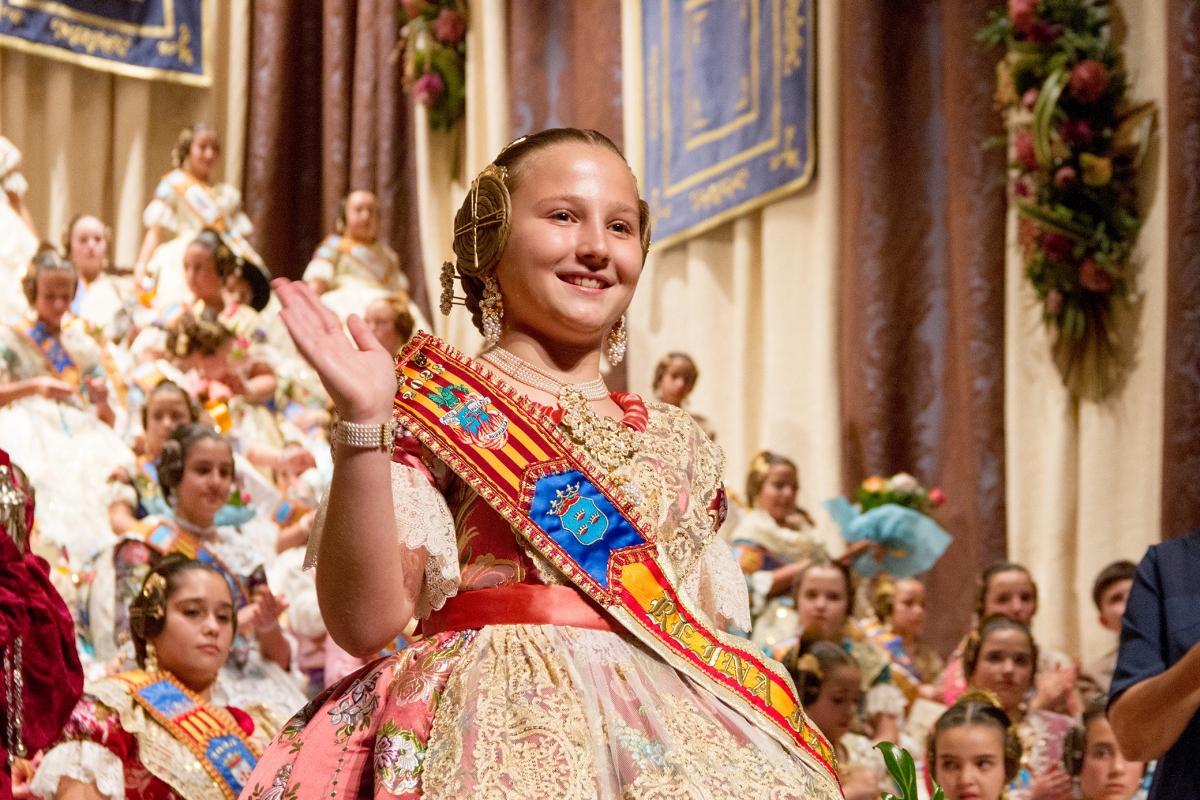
[86,762]
[719,586]
[422,520]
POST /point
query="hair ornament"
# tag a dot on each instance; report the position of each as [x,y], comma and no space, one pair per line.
[977,695]
[488,212]
[809,663]
[181,345]
[153,605]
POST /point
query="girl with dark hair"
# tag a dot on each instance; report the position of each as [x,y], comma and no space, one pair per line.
[829,682]
[1001,657]
[772,542]
[137,496]
[196,474]
[159,731]
[54,403]
[974,751]
[514,517]
[185,202]
[1008,588]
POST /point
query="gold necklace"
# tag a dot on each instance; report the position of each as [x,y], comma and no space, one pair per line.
[609,443]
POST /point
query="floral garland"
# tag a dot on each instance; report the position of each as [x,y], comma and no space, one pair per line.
[1076,145]
[434,34]
[901,489]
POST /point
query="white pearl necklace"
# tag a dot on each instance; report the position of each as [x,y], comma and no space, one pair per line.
[530,375]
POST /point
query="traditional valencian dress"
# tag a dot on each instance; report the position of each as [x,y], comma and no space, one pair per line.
[247,679]
[184,206]
[17,242]
[570,615]
[66,451]
[761,545]
[145,736]
[357,273]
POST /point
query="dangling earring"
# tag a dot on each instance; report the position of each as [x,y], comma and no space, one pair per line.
[491,308]
[615,347]
[151,658]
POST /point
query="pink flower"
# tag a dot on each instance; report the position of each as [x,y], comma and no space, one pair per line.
[1054,302]
[1095,278]
[1022,189]
[1089,79]
[1076,132]
[428,88]
[1023,145]
[412,7]
[1065,177]
[1030,98]
[1022,14]
[937,497]
[1043,32]
[449,26]
[1057,245]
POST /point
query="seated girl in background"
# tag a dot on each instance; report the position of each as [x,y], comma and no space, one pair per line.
[352,267]
[1007,588]
[770,542]
[128,736]
[899,619]
[137,495]
[99,298]
[391,321]
[1001,657]
[196,473]
[973,750]
[829,682]
[55,417]
[675,377]
[1092,756]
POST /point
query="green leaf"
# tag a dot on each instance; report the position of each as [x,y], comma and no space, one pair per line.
[901,768]
[1043,114]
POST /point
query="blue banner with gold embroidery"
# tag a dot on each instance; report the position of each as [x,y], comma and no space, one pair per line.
[727,92]
[156,39]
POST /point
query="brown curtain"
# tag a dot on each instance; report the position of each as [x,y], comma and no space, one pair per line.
[921,298]
[328,116]
[564,63]
[1181,391]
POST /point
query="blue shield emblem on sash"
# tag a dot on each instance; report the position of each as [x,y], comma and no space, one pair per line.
[580,516]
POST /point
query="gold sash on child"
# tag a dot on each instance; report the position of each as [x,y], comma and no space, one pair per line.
[205,754]
[515,457]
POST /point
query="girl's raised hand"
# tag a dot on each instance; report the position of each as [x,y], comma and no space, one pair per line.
[359,375]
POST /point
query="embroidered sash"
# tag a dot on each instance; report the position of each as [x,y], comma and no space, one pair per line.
[360,255]
[51,349]
[197,199]
[164,538]
[210,733]
[521,464]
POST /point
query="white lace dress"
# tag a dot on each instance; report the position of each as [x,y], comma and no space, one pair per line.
[541,710]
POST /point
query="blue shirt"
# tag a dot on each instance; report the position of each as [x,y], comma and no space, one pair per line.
[1161,623]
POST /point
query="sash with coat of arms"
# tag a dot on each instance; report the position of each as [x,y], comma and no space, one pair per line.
[517,459]
[208,734]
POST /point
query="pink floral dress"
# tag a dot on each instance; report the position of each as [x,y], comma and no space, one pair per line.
[538,710]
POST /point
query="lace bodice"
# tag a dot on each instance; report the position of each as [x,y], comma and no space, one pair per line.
[674,480]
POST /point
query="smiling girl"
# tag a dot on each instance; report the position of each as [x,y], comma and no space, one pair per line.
[550,665]
[195,474]
[1000,657]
